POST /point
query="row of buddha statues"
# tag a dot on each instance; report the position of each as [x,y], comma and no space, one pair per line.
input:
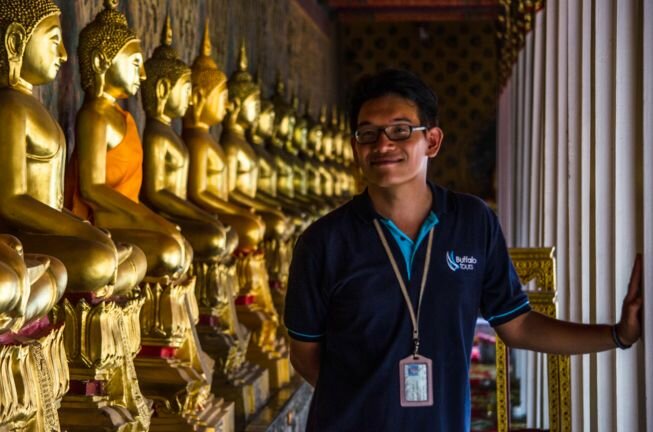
[141,280]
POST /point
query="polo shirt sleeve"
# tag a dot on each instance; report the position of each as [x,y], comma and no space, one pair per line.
[502,298]
[305,309]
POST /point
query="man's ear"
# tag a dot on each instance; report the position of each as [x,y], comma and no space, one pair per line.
[434,137]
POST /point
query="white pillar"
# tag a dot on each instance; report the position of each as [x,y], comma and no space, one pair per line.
[603,231]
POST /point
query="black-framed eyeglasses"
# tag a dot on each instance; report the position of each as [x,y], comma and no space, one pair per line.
[396,132]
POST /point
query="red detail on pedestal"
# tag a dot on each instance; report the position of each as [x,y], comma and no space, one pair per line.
[33,330]
[209,320]
[164,352]
[276,285]
[87,388]
[89,297]
[245,300]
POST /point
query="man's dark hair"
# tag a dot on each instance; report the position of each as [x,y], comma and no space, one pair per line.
[398,82]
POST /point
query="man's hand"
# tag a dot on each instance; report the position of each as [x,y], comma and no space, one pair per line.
[629,328]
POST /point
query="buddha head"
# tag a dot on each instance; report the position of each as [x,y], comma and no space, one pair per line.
[32,50]
[244,94]
[110,55]
[327,136]
[336,151]
[285,115]
[265,122]
[315,133]
[167,89]
[209,87]
[300,135]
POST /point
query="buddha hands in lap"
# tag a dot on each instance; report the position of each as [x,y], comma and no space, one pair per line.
[208,182]
[166,96]
[32,166]
[106,168]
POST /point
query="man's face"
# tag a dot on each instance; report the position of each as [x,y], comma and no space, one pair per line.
[387,163]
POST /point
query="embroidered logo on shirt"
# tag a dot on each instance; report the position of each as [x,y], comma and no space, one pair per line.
[456,263]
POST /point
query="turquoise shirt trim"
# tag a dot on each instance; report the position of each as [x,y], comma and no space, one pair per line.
[406,245]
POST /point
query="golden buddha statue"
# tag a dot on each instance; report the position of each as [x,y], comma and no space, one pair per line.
[255,305]
[105,182]
[166,95]
[106,166]
[352,184]
[323,153]
[220,331]
[337,167]
[297,147]
[31,207]
[30,284]
[308,154]
[275,175]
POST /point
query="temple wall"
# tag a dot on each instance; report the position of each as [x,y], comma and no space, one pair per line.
[459,61]
[280,37]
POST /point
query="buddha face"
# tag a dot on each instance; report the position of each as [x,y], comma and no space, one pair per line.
[44,53]
[300,136]
[315,140]
[179,97]
[215,106]
[251,108]
[266,123]
[124,76]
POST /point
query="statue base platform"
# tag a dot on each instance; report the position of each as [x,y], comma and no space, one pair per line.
[245,384]
[278,365]
[216,416]
[82,413]
[249,392]
[286,411]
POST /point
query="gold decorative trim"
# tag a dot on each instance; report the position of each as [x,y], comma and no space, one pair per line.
[537,264]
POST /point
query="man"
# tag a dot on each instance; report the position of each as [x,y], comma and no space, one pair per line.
[377,361]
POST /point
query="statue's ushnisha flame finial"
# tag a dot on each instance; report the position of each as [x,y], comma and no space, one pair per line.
[166,34]
[281,87]
[111,4]
[206,40]
[242,57]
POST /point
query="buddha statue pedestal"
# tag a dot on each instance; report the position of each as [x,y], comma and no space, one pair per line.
[171,367]
[101,340]
[34,377]
[226,341]
[256,311]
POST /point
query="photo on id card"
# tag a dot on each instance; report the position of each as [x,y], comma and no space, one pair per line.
[415,381]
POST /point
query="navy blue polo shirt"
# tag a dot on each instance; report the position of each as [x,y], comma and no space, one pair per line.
[343,293]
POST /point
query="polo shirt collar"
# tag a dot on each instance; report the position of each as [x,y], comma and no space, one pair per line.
[364,208]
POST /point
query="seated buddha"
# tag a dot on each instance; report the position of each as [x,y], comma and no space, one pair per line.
[166,96]
[105,175]
[31,169]
[307,153]
[325,148]
[296,145]
[274,173]
[30,285]
[243,169]
[208,183]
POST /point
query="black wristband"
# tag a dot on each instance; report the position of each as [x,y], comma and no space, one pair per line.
[617,341]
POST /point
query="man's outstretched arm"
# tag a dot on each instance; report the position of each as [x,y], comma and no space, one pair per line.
[537,332]
[305,358]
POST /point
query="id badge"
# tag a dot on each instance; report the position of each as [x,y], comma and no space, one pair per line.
[415,381]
